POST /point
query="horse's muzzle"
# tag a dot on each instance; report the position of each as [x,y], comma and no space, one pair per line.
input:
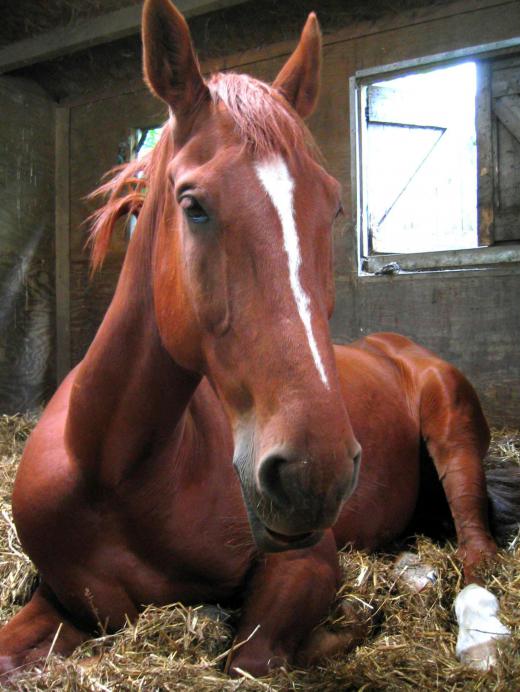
[287,508]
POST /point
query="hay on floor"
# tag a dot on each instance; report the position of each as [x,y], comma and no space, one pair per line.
[411,645]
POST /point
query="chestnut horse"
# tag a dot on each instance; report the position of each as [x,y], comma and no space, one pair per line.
[203,450]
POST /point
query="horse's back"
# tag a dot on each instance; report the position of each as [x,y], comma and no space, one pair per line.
[445,400]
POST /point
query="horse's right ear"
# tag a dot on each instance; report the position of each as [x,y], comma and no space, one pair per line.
[171,69]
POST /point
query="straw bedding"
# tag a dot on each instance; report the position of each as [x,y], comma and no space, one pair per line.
[410,645]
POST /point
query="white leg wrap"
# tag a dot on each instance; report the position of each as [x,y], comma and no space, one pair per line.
[479,627]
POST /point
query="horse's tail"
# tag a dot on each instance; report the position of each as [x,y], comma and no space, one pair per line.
[503,488]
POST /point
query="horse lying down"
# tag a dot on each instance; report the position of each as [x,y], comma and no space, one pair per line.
[208,446]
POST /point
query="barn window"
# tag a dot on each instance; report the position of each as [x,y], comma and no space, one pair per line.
[142,140]
[438,167]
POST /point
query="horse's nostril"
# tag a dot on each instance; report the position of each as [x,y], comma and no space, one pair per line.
[270,481]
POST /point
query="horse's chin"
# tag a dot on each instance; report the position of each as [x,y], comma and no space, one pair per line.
[273,542]
[269,541]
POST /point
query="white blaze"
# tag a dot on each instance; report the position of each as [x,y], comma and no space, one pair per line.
[279,185]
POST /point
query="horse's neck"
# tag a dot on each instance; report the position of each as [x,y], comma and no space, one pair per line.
[128,395]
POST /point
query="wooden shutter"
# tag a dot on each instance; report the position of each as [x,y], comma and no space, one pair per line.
[404,146]
[505,132]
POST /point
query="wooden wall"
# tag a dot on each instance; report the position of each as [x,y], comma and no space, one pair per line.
[469,317]
[27,323]
[98,131]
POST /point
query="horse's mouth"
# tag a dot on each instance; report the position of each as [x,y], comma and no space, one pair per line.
[269,541]
[300,540]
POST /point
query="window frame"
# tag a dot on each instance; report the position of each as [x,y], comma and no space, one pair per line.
[485,255]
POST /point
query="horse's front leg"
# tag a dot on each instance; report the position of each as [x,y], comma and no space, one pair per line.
[289,594]
[38,629]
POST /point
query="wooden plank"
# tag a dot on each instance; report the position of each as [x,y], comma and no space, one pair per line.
[445,259]
[92,32]
[506,130]
[506,77]
[507,224]
[91,296]
[245,59]
[27,366]
[485,166]
[26,338]
[98,131]
[62,236]
[507,109]
[469,318]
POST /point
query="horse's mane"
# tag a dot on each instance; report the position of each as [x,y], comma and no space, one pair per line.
[263,118]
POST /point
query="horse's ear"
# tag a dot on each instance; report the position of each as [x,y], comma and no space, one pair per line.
[299,78]
[171,69]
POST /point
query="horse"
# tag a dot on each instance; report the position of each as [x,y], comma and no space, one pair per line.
[208,446]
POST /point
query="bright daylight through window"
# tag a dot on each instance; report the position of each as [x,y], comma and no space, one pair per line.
[419,162]
[438,162]
[142,141]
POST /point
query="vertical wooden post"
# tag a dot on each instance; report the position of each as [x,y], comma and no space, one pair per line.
[62,240]
[485,155]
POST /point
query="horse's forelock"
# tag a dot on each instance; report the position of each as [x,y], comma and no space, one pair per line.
[262,116]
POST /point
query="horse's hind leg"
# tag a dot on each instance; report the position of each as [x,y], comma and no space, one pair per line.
[37,629]
[457,437]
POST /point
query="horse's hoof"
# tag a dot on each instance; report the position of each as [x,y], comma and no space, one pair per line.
[8,668]
[324,643]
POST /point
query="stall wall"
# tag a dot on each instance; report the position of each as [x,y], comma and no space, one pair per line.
[469,317]
[27,325]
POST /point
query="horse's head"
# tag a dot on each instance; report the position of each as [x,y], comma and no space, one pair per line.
[243,283]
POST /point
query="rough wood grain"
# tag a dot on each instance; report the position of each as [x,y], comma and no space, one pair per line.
[62,235]
[26,247]
[470,318]
[90,32]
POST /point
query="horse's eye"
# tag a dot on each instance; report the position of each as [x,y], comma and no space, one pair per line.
[193,210]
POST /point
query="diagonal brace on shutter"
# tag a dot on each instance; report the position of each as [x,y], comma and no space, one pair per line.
[507,108]
[441,131]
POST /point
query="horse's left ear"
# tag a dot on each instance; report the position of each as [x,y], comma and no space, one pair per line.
[171,69]
[299,78]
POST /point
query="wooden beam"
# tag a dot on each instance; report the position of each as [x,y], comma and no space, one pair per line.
[443,259]
[62,242]
[92,32]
